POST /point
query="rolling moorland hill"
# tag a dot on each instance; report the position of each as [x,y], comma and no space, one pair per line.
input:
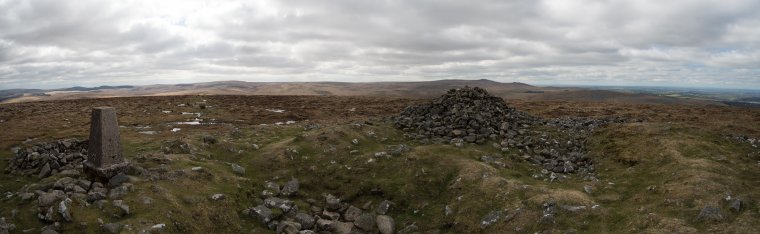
[242,163]
[424,89]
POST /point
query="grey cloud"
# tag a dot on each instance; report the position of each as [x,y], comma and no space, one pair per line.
[65,43]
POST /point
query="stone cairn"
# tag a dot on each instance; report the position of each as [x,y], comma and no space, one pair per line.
[46,159]
[105,159]
[468,114]
[472,115]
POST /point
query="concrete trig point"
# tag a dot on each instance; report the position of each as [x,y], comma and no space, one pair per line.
[105,158]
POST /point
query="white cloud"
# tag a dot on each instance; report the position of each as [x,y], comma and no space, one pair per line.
[645,42]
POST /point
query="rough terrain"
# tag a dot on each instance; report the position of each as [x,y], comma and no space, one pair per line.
[240,163]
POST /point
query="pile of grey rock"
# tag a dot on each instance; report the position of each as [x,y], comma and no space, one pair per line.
[48,159]
[467,114]
[56,199]
[71,188]
[279,213]
[754,142]
[471,115]
[561,149]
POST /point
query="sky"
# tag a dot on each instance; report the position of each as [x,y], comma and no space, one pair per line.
[687,43]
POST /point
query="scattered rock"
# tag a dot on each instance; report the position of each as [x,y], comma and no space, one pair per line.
[260,212]
[365,222]
[342,227]
[735,205]
[409,229]
[290,188]
[352,213]
[47,199]
[384,207]
[123,208]
[45,171]
[574,208]
[217,197]
[397,150]
[118,192]
[306,220]
[95,196]
[588,189]
[332,202]
[208,139]
[46,214]
[112,228]
[238,169]
[447,211]
[549,210]
[279,203]
[6,227]
[491,218]
[146,200]
[288,227]
[26,196]
[176,147]
[63,209]
[291,153]
[382,154]
[710,214]
[325,224]
[117,180]
[385,224]
[330,215]
[157,227]
[272,187]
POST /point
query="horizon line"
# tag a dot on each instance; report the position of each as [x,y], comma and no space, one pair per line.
[580,85]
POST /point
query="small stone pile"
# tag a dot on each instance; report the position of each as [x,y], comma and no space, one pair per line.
[467,114]
[282,215]
[46,159]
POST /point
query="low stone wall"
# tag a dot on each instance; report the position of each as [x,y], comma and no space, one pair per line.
[46,159]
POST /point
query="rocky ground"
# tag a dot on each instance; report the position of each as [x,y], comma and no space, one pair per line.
[303,164]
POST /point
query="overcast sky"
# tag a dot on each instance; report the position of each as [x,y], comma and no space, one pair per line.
[56,43]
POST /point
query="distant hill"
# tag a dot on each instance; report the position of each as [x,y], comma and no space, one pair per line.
[616,97]
[80,88]
[8,94]
[421,89]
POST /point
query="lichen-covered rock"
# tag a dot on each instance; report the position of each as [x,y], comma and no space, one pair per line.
[290,188]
